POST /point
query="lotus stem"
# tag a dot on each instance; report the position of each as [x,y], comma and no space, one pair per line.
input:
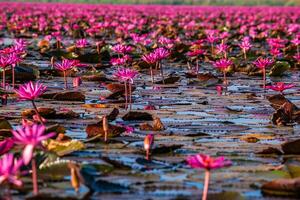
[13,75]
[225,79]
[147,154]
[264,78]
[65,80]
[37,112]
[130,95]
[188,64]
[206,184]
[126,95]
[245,55]
[162,73]
[197,66]
[58,44]
[151,73]
[34,177]
[3,78]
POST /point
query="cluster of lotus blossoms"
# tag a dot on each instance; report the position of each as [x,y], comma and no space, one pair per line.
[10,57]
[140,35]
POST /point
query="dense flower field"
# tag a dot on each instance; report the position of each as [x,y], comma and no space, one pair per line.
[149,102]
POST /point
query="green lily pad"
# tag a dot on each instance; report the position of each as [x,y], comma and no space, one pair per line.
[54,169]
[279,68]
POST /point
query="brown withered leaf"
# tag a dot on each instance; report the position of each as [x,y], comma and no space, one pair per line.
[158,125]
[282,187]
[146,127]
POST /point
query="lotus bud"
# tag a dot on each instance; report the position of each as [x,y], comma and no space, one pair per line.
[77,81]
[219,89]
[105,127]
[4,99]
[148,143]
[75,179]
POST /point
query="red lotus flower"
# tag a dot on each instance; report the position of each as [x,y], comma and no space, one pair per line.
[5,61]
[30,91]
[121,49]
[120,61]
[9,169]
[81,43]
[245,44]
[161,53]
[262,63]
[222,48]
[280,86]
[150,58]
[195,53]
[207,162]
[6,145]
[66,65]
[31,136]
[223,64]
[125,74]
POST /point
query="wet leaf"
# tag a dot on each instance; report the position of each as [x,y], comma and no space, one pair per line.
[62,148]
[282,187]
[279,68]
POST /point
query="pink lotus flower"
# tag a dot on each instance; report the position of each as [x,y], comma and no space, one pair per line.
[126,75]
[195,53]
[66,65]
[9,169]
[208,163]
[30,91]
[121,49]
[245,46]
[219,89]
[222,49]
[31,137]
[81,43]
[6,145]
[280,87]
[5,61]
[262,63]
[151,59]
[120,61]
[161,53]
[77,81]
[223,65]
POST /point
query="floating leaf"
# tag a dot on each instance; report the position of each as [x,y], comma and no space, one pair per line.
[94,106]
[279,68]
[62,148]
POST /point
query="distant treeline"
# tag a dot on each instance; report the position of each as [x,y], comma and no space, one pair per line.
[188,2]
